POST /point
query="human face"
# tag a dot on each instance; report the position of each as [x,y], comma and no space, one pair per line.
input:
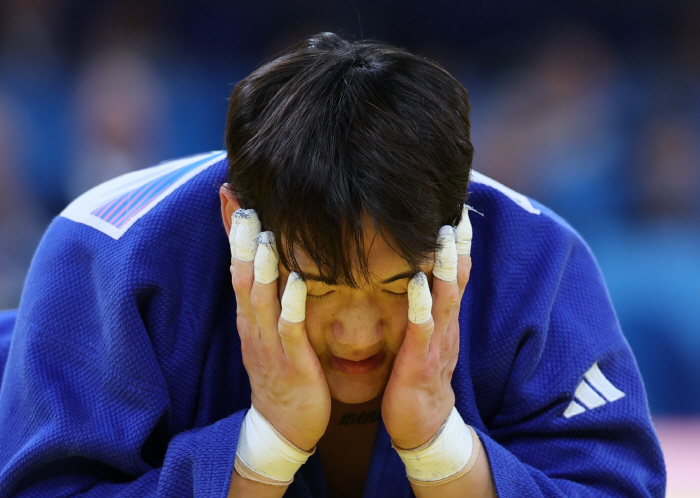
[356,333]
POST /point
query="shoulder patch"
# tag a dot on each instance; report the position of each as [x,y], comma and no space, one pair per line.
[516,197]
[595,390]
[114,206]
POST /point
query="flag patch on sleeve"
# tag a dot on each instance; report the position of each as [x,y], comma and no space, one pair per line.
[114,206]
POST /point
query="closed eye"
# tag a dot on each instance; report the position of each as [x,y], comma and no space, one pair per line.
[320,296]
[397,295]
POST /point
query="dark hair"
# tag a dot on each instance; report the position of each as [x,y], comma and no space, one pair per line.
[333,133]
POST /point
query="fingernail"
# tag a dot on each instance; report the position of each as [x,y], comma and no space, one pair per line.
[463,234]
[266,265]
[294,299]
[446,258]
[247,232]
[420,302]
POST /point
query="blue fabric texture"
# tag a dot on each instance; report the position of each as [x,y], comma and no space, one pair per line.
[7,325]
[124,375]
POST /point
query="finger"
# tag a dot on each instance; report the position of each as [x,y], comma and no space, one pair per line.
[263,296]
[420,302]
[294,299]
[464,268]
[463,234]
[247,231]
[266,263]
[292,330]
[445,286]
[463,240]
[446,257]
[232,235]
[450,343]
[420,321]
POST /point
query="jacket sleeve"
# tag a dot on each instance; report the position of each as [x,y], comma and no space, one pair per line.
[84,407]
[571,417]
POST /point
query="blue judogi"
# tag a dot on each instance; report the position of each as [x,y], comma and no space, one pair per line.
[124,376]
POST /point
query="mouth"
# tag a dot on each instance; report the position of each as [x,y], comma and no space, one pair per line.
[358,367]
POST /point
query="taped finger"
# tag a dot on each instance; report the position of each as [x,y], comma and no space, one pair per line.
[420,301]
[463,234]
[232,233]
[294,299]
[266,262]
[247,231]
[446,257]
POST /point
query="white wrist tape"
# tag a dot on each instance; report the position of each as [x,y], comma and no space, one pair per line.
[266,264]
[463,234]
[420,301]
[266,452]
[446,257]
[247,231]
[294,299]
[447,454]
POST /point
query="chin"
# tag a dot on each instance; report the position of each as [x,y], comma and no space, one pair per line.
[354,397]
[351,391]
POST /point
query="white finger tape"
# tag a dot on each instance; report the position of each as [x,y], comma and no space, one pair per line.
[446,454]
[232,234]
[463,234]
[420,302]
[266,265]
[265,451]
[247,231]
[446,257]
[294,299]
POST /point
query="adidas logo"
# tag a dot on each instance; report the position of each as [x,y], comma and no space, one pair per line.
[592,392]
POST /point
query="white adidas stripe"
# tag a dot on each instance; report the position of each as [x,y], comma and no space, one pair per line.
[592,392]
[586,395]
[601,384]
[516,197]
[573,409]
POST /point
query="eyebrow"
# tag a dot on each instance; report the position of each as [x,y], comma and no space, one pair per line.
[318,278]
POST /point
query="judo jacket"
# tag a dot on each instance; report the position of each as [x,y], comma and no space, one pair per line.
[124,375]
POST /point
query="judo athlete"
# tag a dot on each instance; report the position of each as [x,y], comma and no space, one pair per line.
[308,315]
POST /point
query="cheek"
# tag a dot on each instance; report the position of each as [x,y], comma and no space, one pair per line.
[395,322]
[318,318]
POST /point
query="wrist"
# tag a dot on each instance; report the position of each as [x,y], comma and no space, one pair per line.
[415,440]
[418,434]
[302,442]
[448,455]
[303,438]
[264,455]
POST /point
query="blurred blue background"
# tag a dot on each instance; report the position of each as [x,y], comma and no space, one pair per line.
[592,108]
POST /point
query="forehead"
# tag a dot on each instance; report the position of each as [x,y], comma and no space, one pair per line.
[382,260]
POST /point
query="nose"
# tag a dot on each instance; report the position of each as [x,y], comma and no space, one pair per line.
[358,328]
